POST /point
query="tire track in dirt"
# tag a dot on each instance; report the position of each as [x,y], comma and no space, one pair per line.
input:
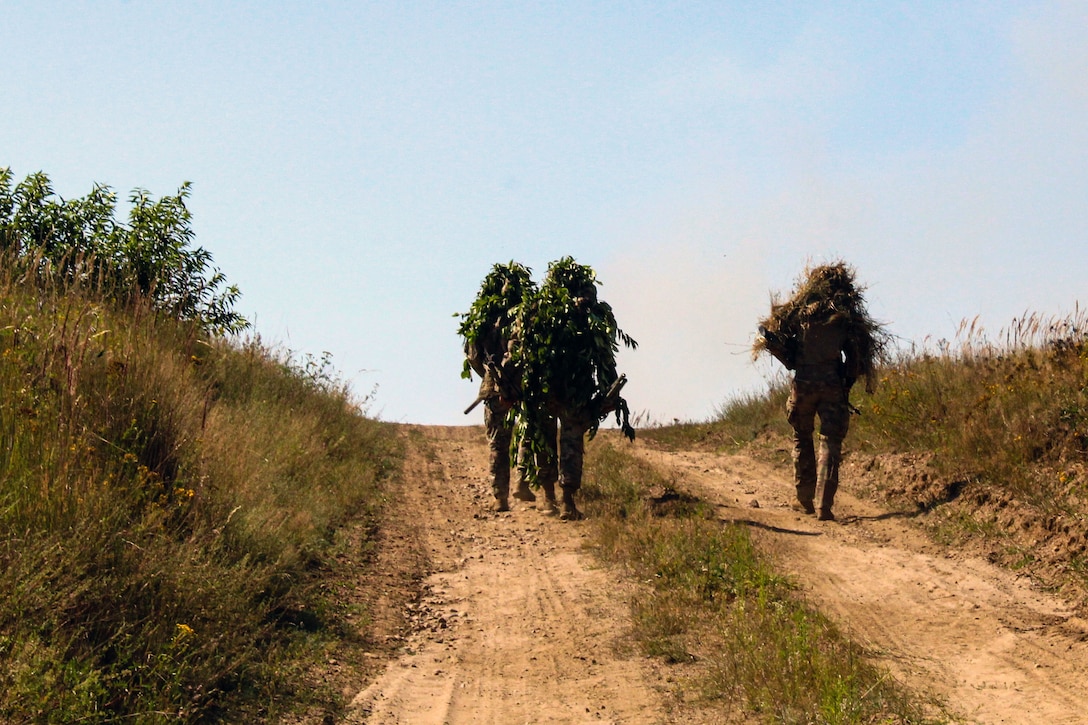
[977,637]
[517,624]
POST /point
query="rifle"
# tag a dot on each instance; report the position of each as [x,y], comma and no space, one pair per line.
[505,388]
[783,348]
[610,400]
[846,385]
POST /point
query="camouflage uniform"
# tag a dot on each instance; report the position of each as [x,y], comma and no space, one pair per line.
[826,368]
[497,406]
[569,429]
[499,433]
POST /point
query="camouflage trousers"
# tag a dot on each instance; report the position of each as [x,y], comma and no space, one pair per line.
[829,401]
[560,461]
[499,434]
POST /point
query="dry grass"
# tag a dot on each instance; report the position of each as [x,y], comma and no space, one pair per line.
[739,633]
[167,504]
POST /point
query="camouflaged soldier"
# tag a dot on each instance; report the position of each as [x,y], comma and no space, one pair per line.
[569,377]
[488,333]
[823,334]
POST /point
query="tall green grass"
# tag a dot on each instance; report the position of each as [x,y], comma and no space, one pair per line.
[168,504]
[711,598]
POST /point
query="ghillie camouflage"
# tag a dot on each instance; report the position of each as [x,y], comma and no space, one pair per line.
[567,350]
[823,294]
[488,326]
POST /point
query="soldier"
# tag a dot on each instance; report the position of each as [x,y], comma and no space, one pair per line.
[568,364]
[488,331]
[825,335]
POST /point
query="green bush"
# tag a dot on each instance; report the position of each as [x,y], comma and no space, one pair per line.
[150,259]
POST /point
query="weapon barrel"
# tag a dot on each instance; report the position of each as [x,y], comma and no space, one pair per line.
[616,387]
[609,400]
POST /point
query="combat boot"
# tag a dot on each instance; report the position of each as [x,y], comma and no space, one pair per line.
[825,515]
[569,512]
[524,493]
[551,507]
[501,504]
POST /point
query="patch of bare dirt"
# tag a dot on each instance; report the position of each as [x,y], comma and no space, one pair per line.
[1045,539]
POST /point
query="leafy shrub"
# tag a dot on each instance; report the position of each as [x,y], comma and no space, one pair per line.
[80,242]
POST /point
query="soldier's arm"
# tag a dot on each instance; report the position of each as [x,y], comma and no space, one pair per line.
[851,368]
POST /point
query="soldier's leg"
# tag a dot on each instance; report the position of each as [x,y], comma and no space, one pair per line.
[801,414]
[498,439]
[572,442]
[828,475]
[547,466]
[834,424]
[523,492]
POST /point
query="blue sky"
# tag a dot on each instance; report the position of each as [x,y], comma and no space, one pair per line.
[358,167]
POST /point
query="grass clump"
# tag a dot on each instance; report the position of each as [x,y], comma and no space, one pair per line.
[168,503]
[995,408]
[749,421]
[710,599]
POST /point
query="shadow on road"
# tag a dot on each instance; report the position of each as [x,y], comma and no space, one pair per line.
[768,527]
[882,517]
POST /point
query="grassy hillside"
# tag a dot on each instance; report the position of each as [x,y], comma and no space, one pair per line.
[985,438]
[168,504]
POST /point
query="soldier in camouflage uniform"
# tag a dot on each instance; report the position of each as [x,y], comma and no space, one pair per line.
[488,338]
[571,380]
[826,337]
[497,407]
[827,366]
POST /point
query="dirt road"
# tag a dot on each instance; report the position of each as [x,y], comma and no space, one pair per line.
[520,625]
[981,639]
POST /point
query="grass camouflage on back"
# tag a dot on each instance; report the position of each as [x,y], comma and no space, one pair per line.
[823,293]
[494,311]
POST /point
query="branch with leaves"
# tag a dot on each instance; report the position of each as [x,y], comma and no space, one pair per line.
[488,327]
[151,256]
